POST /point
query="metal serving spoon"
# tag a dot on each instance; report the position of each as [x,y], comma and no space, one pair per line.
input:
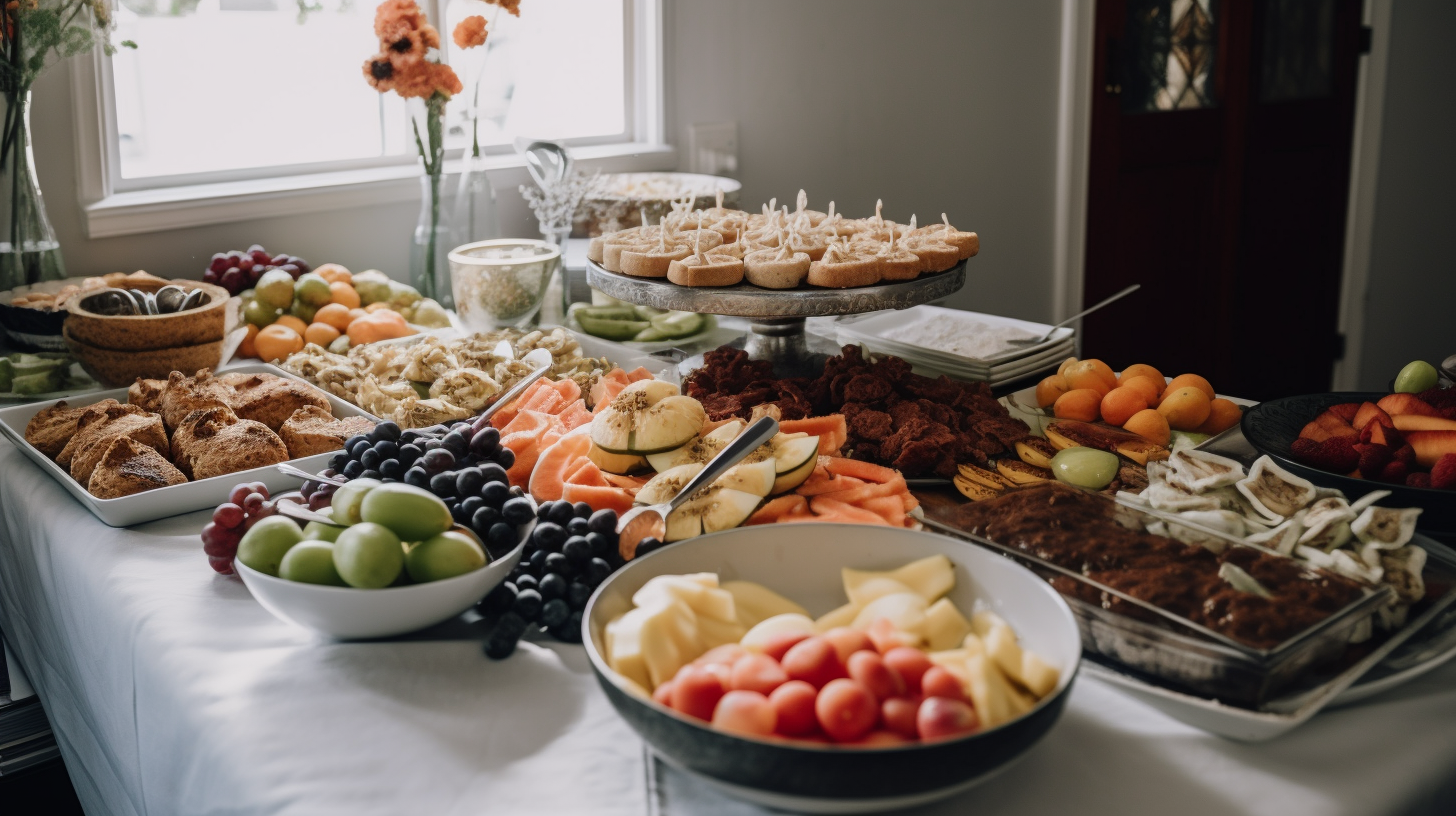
[1033,341]
[651,522]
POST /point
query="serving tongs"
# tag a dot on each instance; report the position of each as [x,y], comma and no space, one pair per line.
[642,523]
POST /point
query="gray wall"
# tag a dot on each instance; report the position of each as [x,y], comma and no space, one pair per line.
[1410,307]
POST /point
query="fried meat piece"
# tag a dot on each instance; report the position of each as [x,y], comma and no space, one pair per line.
[51,428]
[184,394]
[147,394]
[214,442]
[127,467]
[272,400]
[102,423]
[312,430]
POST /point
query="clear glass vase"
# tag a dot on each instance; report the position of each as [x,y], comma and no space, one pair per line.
[430,247]
[29,251]
[473,213]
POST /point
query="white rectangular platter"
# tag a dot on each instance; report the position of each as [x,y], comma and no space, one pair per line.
[164,501]
[871,327]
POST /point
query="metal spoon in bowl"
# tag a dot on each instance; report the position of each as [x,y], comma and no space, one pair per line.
[651,522]
[1031,341]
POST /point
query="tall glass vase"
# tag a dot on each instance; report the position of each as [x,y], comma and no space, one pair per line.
[29,251]
[431,243]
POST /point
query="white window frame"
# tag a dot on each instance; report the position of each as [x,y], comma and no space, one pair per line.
[113,207]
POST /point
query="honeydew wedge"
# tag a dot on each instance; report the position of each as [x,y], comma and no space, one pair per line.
[649,416]
[754,478]
[714,508]
[699,449]
[794,456]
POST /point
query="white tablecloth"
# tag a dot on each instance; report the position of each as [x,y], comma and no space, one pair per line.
[172,692]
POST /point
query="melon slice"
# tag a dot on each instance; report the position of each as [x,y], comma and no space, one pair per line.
[649,416]
[715,507]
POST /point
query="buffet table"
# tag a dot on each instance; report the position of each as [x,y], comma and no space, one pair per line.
[172,692]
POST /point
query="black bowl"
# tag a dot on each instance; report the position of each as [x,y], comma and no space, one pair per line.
[802,562]
[33,329]
[1271,427]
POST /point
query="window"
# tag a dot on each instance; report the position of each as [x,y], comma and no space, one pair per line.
[222,86]
[269,96]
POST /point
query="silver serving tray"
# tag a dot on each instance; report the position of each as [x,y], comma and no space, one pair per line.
[1180,652]
[165,501]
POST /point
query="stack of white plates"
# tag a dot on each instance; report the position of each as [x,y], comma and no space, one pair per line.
[1002,365]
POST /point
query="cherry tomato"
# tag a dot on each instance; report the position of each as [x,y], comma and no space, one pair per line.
[663,694]
[745,712]
[794,703]
[943,718]
[939,682]
[725,655]
[814,661]
[846,710]
[779,645]
[870,670]
[756,672]
[848,641]
[898,714]
[696,691]
[910,663]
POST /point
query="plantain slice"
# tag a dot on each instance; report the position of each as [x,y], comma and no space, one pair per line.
[980,475]
[1036,451]
[1021,473]
[975,491]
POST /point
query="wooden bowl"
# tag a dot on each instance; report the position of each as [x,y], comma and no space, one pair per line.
[116,368]
[194,327]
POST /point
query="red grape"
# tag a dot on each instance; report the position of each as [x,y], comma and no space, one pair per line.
[246,264]
[259,488]
[232,280]
[222,565]
[268,509]
[320,501]
[240,494]
[228,515]
[278,260]
[261,257]
[253,503]
[219,263]
[219,542]
[211,277]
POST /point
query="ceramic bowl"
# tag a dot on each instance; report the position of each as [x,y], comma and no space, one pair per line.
[1271,427]
[115,369]
[204,324]
[346,613]
[803,562]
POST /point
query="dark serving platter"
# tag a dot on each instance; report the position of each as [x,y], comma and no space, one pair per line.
[1272,426]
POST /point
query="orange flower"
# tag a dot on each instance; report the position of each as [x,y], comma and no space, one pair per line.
[511,6]
[401,26]
[470,32]
[405,37]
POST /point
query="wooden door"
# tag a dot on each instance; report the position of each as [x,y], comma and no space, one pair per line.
[1221,136]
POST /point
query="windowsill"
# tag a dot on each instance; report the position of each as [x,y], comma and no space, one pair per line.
[168,208]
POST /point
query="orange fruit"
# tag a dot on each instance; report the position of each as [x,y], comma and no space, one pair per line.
[1080,403]
[321,334]
[344,294]
[1185,408]
[1222,415]
[246,348]
[1062,369]
[356,313]
[1150,389]
[1121,403]
[334,314]
[332,272]
[376,307]
[1150,425]
[1049,389]
[295,323]
[1103,370]
[1085,374]
[1189,381]
[1143,370]
[277,341]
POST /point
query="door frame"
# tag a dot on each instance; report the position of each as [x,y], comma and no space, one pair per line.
[1074,139]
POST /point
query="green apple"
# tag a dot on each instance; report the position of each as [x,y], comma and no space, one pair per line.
[312,289]
[368,556]
[259,313]
[1416,377]
[318,531]
[275,289]
[413,514]
[347,499]
[445,556]
[265,544]
[311,562]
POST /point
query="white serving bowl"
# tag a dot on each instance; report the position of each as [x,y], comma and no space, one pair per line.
[802,562]
[346,613]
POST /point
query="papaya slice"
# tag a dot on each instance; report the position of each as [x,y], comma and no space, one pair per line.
[825,506]
[598,498]
[548,478]
[831,430]
[778,508]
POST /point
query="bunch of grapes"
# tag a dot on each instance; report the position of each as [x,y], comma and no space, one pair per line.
[236,271]
[245,505]
[570,552]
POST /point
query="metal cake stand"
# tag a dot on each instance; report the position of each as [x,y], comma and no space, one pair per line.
[776,316]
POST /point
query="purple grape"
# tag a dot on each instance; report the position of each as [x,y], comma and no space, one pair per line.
[319,501]
[278,260]
[210,276]
[219,263]
[246,264]
[233,280]
[253,504]
[228,515]
[437,461]
[300,263]
[255,274]
[240,494]
[219,541]
[260,256]
[291,269]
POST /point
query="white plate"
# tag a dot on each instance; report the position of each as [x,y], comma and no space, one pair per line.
[1022,405]
[1057,350]
[874,325]
[165,501]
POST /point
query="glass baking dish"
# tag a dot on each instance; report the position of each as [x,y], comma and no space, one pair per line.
[1171,648]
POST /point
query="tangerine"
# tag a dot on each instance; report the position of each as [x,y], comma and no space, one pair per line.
[1150,389]
[292,322]
[1085,374]
[334,314]
[1222,415]
[321,334]
[1150,425]
[246,348]
[342,293]
[1121,403]
[277,341]
[1189,381]
[1049,389]
[1080,403]
[1185,408]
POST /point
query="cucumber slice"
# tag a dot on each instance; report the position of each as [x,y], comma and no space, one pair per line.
[607,312]
[647,312]
[678,324]
[26,364]
[44,382]
[610,329]
[650,335]
[7,373]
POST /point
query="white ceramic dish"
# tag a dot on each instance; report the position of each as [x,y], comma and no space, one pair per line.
[1059,350]
[346,613]
[164,501]
[873,327]
[1022,405]
[804,565]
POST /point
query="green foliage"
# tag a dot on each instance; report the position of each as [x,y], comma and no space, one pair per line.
[37,35]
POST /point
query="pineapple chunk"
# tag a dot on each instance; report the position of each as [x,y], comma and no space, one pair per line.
[790,623]
[756,603]
[904,610]
[700,592]
[944,627]
[842,616]
[1037,675]
[930,578]
[872,586]
[1001,647]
